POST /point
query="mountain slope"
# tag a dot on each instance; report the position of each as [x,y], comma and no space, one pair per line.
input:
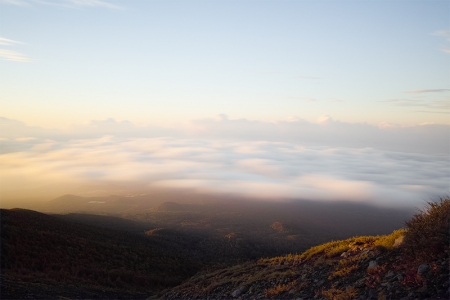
[44,249]
[407,264]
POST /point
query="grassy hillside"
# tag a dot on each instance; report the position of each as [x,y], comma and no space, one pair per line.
[410,263]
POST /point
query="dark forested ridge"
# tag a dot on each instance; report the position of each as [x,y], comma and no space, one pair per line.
[47,250]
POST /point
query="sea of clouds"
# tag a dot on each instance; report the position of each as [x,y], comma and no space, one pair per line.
[208,158]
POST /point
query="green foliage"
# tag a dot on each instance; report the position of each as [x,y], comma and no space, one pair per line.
[429,231]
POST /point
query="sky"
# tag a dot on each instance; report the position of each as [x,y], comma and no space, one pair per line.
[327,100]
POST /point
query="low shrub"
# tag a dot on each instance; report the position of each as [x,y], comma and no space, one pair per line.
[428,232]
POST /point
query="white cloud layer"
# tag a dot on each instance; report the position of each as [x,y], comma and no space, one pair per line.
[328,160]
[274,170]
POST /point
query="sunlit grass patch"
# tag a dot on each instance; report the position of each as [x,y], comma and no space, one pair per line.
[387,241]
[281,288]
[340,272]
[339,294]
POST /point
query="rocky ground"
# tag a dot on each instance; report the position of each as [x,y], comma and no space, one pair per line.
[361,271]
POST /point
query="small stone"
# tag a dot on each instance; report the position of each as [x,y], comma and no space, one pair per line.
[320,283]
[423,268]
[345,254]
[423,289]
[398,241]
[372,264]
[291,292]
[360,283]
[241,290]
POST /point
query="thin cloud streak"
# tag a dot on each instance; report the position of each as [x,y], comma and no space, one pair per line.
[446,34]
[8,42]
[428,91]
[430,104]
[11,54]
[14,56]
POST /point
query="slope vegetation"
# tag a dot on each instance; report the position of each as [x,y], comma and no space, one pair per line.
[39,248]
[411,263]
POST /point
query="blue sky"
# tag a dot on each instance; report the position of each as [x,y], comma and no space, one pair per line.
[326,100]
[172,61]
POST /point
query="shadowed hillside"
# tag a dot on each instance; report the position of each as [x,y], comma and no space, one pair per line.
[44,249]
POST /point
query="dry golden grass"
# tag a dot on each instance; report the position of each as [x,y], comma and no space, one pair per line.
[281,288]
[339,294]
[342,272]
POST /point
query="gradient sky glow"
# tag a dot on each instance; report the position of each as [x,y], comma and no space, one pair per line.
[67,61]
[326,100]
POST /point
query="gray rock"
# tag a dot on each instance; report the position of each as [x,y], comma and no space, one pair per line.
[360,283]
[423,268]
[320,283]
[241,290]
[345,254]
[398,241]
[372,264]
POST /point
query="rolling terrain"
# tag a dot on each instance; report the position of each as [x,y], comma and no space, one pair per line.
[217,249]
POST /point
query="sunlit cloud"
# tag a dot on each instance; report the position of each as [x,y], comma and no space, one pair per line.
[326,132]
